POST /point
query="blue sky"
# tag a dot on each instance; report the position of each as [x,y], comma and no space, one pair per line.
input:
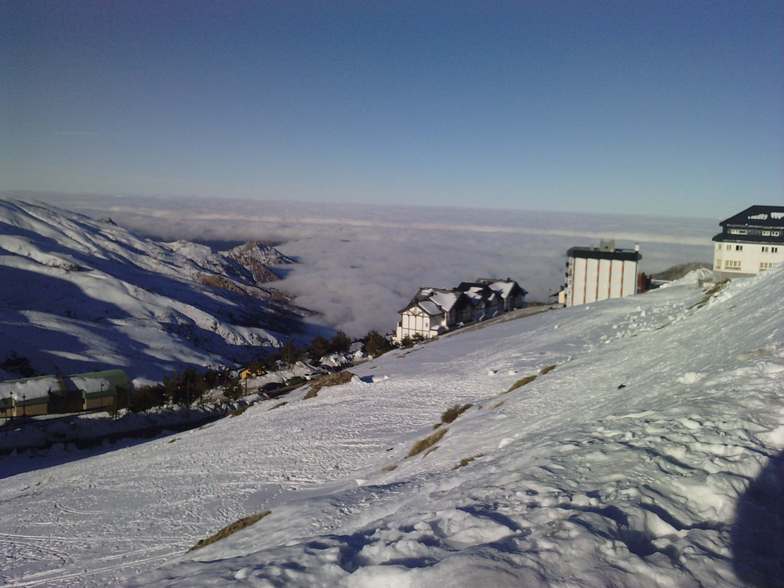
[672,108]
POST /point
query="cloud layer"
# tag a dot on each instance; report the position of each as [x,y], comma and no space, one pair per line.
[360,264]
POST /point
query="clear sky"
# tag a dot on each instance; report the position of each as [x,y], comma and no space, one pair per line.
[662,107]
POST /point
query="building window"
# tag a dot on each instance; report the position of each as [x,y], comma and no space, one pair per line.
[765,249]
[738,247]
[731,264]
[729,247]
[774,249]
[738,232]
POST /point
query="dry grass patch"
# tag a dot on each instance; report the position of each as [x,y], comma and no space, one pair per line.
[389,468]
[336,379]
[710,293]
[466,460]
[498,404]
[279,404]
[546,369]
[427,442]
[237,525]
[451,414]
[520,383]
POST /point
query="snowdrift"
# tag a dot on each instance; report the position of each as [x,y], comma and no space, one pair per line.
[632,463]
[650,455]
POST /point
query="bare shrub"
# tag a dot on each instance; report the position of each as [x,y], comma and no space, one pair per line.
[520,383]
[335,379]
[427,442]
[450,414]
[466,460]
[237,525]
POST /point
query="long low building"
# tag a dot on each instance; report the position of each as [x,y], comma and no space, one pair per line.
[62,394]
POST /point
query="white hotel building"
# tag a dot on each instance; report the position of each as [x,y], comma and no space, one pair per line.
[599,273]
[750,242]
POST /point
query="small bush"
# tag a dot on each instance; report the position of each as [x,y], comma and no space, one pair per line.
[718,287]
[146,397]
[185,387]
[234,390]
[450,414]
[406,342]
[230,529]
[217,377]
[335,379]
[546,369]
[466,460]
[376,344]
[290,353]
[340,343]
[318,348]
[520,383]
[427,442]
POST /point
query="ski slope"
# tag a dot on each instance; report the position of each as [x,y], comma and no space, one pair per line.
[650,456]
[78,294]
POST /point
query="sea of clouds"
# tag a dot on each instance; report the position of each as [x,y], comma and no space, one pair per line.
[360,264]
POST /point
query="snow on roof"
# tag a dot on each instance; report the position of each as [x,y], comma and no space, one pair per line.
[41,386]
[29,387]
[446,299]
[430,307]
[503,287]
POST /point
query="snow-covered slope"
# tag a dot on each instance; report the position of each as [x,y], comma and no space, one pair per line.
[78,294]
[650,456]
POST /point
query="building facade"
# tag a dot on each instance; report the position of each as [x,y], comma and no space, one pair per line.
[750,242]
[64,394]
[436,310]
[599,273]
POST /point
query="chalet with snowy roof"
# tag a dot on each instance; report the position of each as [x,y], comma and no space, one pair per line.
[599,273]
[436,310]
[750,242]
[510,293]
[432,312]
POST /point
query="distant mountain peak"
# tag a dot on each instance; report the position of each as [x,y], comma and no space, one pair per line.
[79,293]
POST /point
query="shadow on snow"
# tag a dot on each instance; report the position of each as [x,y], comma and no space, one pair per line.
[757,537]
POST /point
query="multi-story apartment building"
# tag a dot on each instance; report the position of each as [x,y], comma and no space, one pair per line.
[599,273]
[750,242]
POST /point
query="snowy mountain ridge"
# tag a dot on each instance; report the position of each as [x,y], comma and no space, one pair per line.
[77,293]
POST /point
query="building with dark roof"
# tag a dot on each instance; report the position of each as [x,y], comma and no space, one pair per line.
[750,242]
[599,273]
[433,311]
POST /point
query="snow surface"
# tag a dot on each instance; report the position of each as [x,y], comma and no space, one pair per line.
[78,294]
[647,457]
